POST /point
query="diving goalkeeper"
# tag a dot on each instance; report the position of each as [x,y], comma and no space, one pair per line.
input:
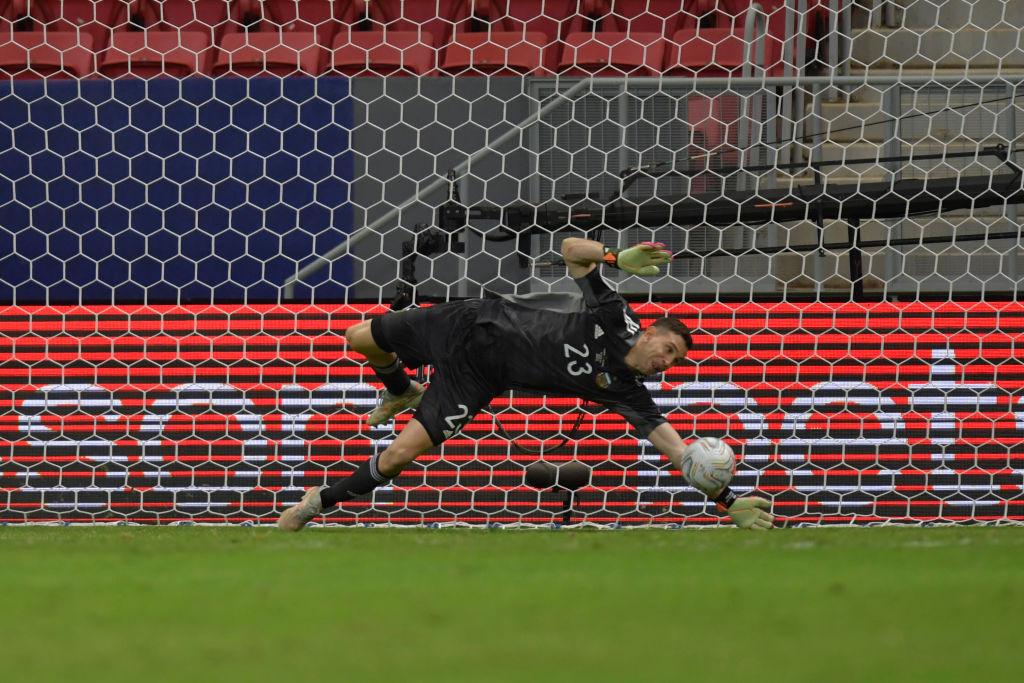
[590,346]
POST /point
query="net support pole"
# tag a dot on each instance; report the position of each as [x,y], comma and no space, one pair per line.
[799,63]
[892,107]
[834,8]
[839,32]
[889,13]
[1011,263]
[787,131]
[817,134]
[754,31]
[357,236]
[855,257]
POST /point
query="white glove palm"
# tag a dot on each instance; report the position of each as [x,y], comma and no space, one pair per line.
[751,513]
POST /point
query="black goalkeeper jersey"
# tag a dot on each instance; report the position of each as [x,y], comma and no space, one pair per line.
[568,344]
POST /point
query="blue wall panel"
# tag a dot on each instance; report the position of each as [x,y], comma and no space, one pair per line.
[171,190]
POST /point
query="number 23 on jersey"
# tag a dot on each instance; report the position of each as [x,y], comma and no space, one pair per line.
[577,364]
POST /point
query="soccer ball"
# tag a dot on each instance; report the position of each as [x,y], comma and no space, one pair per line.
[708,464]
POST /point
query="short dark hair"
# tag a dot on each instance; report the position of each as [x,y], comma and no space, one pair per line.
[676,327]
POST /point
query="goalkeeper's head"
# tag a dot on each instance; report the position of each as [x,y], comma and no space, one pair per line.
[664,344]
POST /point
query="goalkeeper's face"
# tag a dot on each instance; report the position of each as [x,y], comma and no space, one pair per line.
[656,351]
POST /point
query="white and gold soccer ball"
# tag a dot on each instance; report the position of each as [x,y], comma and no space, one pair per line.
[708,464]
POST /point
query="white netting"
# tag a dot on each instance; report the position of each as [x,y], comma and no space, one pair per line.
[198,198]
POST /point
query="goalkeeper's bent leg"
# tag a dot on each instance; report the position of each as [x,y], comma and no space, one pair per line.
[380,469]
[385,364]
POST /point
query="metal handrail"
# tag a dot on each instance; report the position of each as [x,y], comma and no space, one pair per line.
[755,32]
[756,20]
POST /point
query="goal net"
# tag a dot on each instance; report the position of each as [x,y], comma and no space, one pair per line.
[198,199]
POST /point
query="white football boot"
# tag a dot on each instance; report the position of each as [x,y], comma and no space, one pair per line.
[296,517]
[391,405]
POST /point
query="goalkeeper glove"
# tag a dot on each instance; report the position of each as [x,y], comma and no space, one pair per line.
[643,259]
[751,513]
[746,513]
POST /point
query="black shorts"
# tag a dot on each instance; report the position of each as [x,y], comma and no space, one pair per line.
[467,365]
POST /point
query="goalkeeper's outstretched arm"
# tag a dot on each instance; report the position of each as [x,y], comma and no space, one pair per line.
[582,256]
[749,512]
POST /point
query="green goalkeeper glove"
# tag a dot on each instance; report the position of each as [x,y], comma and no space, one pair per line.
[643,259]
[751,513]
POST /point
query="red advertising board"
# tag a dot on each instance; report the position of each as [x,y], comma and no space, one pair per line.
[849,413]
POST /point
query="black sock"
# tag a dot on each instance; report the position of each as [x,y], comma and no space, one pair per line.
[365,479]
[393,377]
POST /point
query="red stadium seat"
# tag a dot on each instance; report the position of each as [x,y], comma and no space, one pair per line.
[497,52]
[372,53]
[209,17]
[486,38]
[381,37]
[732,14]
[14,16]
[95,18]
[288,16]
[472,16]
[258,54]
[426,17]
[616,37]
[626,16]
[611,53]
[713,52]
[46,54]
[145,54]
[544,16]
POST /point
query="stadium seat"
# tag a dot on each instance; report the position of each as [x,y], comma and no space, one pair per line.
[714,52]
[279,37]
[616,38]
[611,53]
[264,53]
[379,38]
[46,54]
[543,16]
[627,16]
[95,18]
[486,39]
[145,54]
[732,15]
[287,16]
[152,16]
[382,52]
[399,15]
[14,16]
[473,16]
[547,17]
[496,52]
[209,17]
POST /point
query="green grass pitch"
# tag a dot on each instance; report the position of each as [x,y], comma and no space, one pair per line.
[253,604]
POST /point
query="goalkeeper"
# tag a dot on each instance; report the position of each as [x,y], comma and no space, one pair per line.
[590,346]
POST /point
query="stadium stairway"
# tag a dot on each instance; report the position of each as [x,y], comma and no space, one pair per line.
[975,38]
